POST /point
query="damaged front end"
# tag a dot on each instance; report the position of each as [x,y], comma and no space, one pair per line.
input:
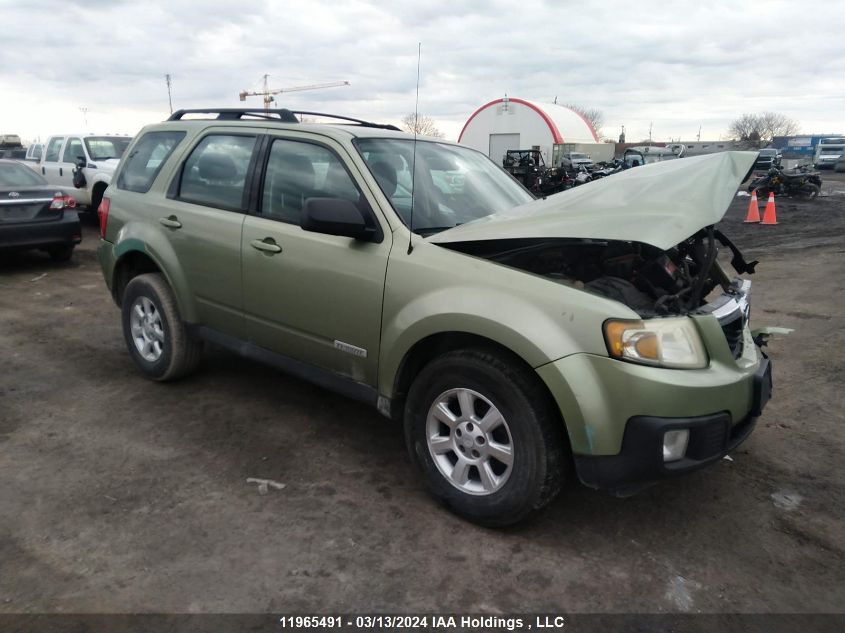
[628,239]
[651,281]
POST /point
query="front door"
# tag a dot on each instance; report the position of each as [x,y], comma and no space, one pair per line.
[73,150]
[313,297]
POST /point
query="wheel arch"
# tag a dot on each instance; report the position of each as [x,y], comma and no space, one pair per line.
[133,258]
[434,345]
[98,189]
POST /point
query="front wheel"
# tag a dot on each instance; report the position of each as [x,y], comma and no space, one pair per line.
[809,191]
[484,432]
[154,331]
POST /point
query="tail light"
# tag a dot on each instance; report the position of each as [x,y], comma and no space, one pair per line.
[103,212]
[61,202]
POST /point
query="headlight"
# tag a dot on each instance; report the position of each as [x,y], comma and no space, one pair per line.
[671,342]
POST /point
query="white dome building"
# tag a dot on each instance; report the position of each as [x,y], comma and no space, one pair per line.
[512,123]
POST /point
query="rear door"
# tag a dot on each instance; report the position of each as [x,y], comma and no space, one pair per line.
[313,297]
[202,218]
[52,160]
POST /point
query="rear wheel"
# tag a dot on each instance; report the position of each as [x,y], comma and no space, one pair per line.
[60,253]
[485,435]
[154,331]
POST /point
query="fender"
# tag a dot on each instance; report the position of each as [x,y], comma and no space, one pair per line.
[488,300]
[140,237]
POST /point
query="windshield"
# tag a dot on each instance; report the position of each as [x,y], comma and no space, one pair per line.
[832,150]
[105,147]
[768,152]
[577,156]
[453,185]
[14,175]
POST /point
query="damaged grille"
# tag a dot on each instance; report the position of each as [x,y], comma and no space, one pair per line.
[733,326]
[733,310]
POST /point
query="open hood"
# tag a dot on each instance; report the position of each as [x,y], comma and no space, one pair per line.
[660,204]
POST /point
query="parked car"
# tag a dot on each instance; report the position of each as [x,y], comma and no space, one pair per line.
[33,215]
[517,339]
[840,164]
[768,158]
[95,155]
[11,146]
[573,161]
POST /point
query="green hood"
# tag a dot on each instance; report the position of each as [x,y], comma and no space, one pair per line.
[660,204]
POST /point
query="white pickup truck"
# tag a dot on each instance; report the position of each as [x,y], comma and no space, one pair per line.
[99,154]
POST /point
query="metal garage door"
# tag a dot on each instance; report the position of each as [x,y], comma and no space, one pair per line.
[501,143]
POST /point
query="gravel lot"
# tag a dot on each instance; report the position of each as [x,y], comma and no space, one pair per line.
[121,495]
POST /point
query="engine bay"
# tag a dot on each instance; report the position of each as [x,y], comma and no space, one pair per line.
[650,281]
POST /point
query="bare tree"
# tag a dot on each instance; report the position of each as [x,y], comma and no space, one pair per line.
[593,115]
[776,124]
[421,125]
[762,127]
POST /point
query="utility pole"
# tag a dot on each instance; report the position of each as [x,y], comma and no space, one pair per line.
[649,132]
[698,138]
[84,112]
[169,97]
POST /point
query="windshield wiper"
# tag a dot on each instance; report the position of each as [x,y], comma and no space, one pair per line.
[427,231]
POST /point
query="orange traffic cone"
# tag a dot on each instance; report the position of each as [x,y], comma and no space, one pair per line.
[753,209]
[769,216]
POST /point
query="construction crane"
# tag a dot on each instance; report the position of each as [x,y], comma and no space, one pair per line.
[267,93]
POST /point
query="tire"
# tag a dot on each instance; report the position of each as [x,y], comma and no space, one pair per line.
[96,199]
[809,191]
[164,350]
[61,253]
[488,383]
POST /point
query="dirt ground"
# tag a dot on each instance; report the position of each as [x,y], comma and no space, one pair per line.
[121,495]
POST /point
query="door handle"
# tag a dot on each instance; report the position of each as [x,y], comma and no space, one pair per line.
[268,245]
[43,171]
[171,222]
[60,172]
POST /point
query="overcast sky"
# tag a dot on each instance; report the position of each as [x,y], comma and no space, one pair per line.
[676,65]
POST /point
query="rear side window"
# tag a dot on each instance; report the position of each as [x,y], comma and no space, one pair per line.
[146,159]
[53,149]
[215,173]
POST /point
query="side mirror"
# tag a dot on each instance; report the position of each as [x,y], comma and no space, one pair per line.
[335,216]
[81,162]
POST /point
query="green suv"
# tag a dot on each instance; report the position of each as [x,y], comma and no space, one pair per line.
[520,341]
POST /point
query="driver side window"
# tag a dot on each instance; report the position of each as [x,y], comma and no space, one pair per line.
[73,150]
[297,171]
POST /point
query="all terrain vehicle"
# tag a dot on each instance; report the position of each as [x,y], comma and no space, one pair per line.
[529,168]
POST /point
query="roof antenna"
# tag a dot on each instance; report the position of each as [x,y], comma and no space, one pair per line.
[414,157]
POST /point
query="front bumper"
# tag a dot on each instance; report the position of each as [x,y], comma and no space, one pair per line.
[617,412]
[27,235]
[640,462]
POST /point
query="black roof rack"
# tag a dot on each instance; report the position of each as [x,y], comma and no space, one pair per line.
[282,115]
[383,126]
[235,114]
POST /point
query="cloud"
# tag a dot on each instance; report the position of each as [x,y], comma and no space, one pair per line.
[676,66]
